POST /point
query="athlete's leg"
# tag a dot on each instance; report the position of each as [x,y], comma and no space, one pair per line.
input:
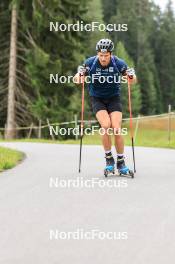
[116,120]
[105,122]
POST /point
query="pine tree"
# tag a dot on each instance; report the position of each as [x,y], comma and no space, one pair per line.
[40,52]
[4,51]
[53,52]
[109,9]
[10,129]
[139,19]
[165,55]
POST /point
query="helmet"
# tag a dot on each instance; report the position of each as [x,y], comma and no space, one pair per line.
[104,45]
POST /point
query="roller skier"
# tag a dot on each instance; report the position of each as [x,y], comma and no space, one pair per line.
[105,99]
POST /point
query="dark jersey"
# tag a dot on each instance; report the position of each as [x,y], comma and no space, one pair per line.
[105,81]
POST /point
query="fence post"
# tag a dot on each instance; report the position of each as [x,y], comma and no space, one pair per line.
[48,123]
[169,123]
[30,130]
[39,129]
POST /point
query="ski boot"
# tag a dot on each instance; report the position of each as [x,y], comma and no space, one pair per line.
[109,169]
[123,169]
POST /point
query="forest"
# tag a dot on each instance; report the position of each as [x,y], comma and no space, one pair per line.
[30,50]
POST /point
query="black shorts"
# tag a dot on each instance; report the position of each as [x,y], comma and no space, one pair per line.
[111,104]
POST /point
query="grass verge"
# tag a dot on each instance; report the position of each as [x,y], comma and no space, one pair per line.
[144,138]
[150,133]
[9,158]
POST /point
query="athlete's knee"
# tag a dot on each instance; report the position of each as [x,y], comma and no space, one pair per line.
[116,127]
[106,124]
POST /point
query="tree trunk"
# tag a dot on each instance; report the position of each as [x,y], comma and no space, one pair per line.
[10,130]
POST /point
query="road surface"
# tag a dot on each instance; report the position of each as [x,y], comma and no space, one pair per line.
[40,221]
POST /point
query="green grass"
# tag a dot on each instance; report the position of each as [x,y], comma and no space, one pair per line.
[145,137]
[154,138]
[152,132]
[9,158]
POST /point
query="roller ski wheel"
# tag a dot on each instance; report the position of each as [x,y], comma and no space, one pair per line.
[131,173]
[127,173]
[109,169]
[123,170]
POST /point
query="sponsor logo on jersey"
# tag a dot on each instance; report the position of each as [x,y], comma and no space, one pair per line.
[111,69]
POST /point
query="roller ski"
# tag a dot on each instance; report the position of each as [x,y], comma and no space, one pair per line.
[110,165]
[123,170]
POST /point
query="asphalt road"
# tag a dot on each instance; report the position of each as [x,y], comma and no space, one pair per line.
[41,221]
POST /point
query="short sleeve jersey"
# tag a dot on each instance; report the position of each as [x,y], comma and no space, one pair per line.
[105,81]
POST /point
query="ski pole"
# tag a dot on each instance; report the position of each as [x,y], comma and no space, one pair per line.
[82,122]
[131,125]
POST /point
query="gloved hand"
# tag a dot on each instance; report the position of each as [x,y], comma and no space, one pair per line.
[82,70]
[130,72]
